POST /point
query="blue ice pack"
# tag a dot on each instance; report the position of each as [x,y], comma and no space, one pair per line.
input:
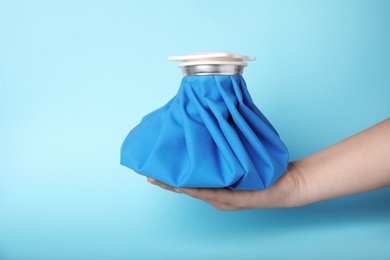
[210,135]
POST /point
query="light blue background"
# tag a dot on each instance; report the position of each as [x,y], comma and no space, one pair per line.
[76,76]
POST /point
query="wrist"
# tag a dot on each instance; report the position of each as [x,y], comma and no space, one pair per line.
[297,193]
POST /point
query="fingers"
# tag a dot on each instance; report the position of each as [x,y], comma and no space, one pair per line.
[161,184]
[208,195]
[193,192]
[222,199]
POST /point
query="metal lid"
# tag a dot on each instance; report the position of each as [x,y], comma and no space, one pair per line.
[212,63]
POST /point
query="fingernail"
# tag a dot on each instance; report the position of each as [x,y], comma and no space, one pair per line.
[150,180]
[178,190]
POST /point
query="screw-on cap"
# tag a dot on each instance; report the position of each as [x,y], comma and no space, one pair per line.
[206,63]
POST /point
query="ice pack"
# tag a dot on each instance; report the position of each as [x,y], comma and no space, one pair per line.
[210,134]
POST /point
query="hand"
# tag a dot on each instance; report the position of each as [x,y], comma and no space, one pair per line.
[288,191]
[357,164]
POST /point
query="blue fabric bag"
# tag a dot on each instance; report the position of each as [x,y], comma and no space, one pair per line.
[210,135]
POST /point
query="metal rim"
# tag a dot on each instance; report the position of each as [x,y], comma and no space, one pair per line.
[212,69]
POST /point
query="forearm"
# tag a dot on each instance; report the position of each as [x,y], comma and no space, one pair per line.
[357,164]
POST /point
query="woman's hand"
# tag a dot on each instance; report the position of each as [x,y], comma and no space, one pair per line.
[357,164]
[288,191]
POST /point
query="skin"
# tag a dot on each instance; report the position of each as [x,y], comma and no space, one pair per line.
[357,164]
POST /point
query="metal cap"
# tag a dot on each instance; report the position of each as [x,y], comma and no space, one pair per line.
[212,63]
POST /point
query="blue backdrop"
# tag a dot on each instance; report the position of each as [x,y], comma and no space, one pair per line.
[76,76]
